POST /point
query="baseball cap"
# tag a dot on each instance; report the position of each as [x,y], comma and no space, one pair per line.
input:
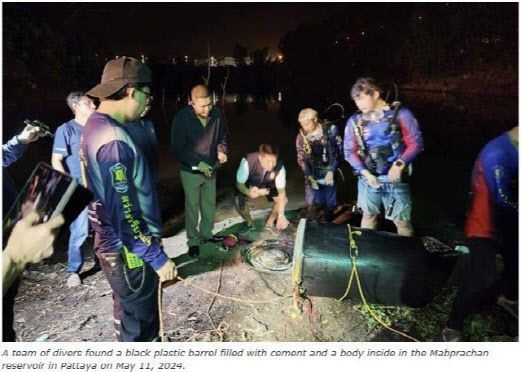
[118,73]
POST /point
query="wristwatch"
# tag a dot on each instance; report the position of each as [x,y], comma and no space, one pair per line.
[399,163]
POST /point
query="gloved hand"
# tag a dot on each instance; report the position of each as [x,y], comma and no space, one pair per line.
[168,271]
[30,134]
[205,169]
[313,182]
[329,179]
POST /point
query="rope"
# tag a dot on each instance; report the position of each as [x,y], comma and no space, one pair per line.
[238,300]
[160,307]
[269,257]
[217,330]
[306,145]
[223,325]
[354,273]
[371,310]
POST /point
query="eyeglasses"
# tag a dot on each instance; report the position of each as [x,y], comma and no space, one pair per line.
[149,95]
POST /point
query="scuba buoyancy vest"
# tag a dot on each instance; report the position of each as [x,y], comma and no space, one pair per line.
[322,151]
[257,175]
[376,158]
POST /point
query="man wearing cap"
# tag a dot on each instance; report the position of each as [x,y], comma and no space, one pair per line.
[125,213]
[199,142]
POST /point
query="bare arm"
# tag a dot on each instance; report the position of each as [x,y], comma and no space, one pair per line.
[281,201]
[57,162]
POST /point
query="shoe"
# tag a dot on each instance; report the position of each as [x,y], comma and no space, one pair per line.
[96,266]
[311,212]
[329,214]
[73,280]
[193,251]
[509,306]
[451,335]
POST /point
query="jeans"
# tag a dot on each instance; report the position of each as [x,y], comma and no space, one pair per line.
[79,231]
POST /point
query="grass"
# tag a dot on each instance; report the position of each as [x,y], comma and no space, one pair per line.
[426,323]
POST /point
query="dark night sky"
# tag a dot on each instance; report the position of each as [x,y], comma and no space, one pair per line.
[167,29]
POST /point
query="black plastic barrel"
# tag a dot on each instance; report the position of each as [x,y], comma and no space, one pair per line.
[392,268]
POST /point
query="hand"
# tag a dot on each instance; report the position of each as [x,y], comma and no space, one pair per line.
[313,182]
[282,222]
[371,179]
[205,169]
[395,173]
[30,134]
[329,179]
[254,192]
[222,157]
[168,271]
[30,241]
[271,221]
[264,192]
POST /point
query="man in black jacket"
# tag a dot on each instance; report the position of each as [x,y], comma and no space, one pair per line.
[199,143]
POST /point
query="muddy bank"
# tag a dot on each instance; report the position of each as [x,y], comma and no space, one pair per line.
[223,299]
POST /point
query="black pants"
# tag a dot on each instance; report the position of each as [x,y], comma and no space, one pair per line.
[135,300]
[8,334]
[483,282]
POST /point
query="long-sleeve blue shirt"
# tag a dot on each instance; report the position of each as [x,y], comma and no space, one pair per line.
[126,209]
[494,189]
[11,152]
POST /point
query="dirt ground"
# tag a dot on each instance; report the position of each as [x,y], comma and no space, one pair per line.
[225,299]
[259,306]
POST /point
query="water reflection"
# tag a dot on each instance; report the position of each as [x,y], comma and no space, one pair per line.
[233,98]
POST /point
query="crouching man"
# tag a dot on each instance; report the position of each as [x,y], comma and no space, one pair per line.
[262,173]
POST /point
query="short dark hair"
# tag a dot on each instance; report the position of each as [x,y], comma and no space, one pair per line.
[268,149]
[122,93]
[365,85]
[74,98]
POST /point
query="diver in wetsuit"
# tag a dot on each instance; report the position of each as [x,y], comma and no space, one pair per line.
[380,142]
